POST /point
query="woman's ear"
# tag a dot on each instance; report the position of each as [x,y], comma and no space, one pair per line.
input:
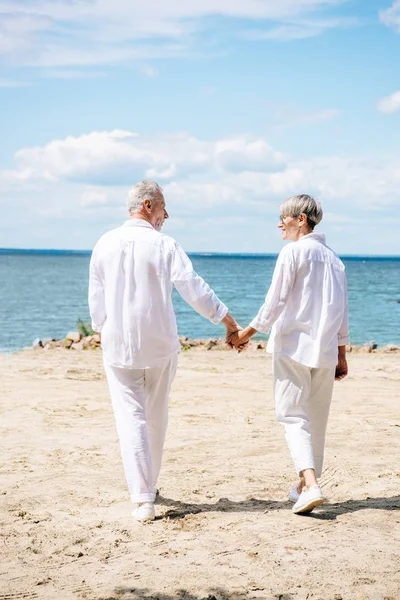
[303,219]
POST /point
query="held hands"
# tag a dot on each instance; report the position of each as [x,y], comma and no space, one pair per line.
[239,340]
[233,339]
[232,331]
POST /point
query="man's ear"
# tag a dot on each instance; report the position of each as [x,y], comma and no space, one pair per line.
[147,205]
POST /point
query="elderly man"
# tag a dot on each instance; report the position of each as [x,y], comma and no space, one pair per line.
[133,270]
[306,306]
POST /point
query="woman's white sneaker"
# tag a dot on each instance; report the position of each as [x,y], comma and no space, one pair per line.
[144,512]
[293,495]
[308,500]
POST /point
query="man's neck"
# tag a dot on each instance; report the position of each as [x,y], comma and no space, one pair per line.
[141,216]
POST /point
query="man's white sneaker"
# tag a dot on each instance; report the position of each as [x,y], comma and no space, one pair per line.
[293,495]
[144,512]
[308,500]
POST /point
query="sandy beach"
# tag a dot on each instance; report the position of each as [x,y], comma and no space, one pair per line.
[224,528]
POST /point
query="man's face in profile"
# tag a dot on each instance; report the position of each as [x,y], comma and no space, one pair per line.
[159,213]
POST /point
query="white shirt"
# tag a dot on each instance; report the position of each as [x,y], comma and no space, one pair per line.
[132,273]
[306,304]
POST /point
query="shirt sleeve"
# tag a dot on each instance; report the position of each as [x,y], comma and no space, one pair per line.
[96,298]
[194,290]
[275,300]
[343,335]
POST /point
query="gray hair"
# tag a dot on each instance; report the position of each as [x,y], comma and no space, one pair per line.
[144,190]
[303,204]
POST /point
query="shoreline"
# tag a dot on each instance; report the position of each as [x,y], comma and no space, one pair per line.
[76,341]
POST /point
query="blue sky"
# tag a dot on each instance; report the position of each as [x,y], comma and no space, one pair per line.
[231,105]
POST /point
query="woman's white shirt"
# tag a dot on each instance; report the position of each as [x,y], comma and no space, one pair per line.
[306,304]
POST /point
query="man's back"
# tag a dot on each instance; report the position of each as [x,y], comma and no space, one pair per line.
[134,263]
[132,273]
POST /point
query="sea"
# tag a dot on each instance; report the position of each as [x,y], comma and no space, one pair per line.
[43,293]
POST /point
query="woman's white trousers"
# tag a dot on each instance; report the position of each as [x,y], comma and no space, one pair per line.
[140,402]
[302,401]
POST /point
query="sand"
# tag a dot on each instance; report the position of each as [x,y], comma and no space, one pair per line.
[224,528]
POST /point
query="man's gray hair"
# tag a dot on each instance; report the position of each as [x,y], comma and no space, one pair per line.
[144,190]
[302,204]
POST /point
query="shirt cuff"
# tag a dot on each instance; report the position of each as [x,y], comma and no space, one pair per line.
[260,325]
[343,340]
[96,328]
[220,314]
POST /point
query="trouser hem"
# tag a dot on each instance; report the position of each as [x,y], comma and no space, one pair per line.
[304,467]
[137,498]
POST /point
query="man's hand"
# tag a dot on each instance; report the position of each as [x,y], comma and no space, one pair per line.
[242,338]
[241,341]
[341,367]
[232,329]
[231,336]
[232,339]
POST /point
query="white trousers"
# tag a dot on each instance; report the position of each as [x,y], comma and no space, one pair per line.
[140,402]
[302,401]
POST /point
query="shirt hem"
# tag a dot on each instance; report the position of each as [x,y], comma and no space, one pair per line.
[309,364]
[138,366]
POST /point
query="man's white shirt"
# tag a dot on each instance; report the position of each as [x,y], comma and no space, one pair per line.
[133,270]
[306,304]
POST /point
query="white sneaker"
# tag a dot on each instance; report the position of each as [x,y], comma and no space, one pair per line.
[293,495]
[144,512]
[308,500]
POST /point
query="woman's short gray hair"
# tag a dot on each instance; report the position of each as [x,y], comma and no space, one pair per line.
[302,204]
[144,190]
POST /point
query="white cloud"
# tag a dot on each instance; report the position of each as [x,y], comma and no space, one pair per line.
[390,104]
[300,29]
[238,169]
[93,197]
[391,16]
[85,179]
[44,33]
[118,157]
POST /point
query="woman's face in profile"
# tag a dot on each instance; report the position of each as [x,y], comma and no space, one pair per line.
[290,228]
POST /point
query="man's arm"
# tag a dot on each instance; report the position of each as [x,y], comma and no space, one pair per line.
[198,294]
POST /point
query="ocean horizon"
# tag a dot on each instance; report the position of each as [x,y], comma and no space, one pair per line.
[44,293]
[60,252]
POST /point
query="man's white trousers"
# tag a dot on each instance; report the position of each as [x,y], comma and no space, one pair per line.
[140,402]
[302,401]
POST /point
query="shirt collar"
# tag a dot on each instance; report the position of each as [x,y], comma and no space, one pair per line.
[318,237]
[137,223]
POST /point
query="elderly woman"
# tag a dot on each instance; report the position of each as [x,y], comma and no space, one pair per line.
[306,306]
